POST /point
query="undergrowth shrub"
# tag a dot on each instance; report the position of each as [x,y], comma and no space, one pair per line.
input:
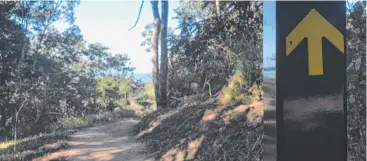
[34,146]
[89,120]
[74,122]
[151,95]
[235,91]
[257,92]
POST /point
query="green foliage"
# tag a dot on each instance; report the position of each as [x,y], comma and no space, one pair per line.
[47,74]
[257,92]
[95,119]
[149,92]
[34,146]
[18,155]
[209,48]
[106,84]
[74,122]
[356,82]
[102,63]
[145,98]
[235,90]
[7,144]
[114,91]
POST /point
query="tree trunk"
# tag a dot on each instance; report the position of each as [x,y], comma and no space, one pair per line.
[3,117]
[217,5]
[155,38]
[164,53]
[15,129]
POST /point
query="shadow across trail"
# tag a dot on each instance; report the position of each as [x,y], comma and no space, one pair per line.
[110,142]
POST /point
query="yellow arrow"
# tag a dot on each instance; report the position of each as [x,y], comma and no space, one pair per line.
[313,27]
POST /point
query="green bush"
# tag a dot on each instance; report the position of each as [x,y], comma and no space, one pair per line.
[117,88]
[147,98]
[151,94]
[257,92]
[22,155]
[74,122]
[99,118]
[80,122]
[236,90]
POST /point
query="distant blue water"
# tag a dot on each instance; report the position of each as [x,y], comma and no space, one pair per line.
[269,73]
[144,77]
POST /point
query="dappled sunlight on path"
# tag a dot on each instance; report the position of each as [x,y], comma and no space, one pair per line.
[103,143]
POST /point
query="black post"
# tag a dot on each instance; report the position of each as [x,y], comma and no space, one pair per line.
[311,80]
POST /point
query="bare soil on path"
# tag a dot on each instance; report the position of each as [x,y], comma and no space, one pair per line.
[110,142]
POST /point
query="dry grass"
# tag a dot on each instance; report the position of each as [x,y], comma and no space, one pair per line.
[203,131]
[36,146]
[229,132]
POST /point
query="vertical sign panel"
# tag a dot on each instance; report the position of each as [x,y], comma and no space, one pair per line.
[310,96]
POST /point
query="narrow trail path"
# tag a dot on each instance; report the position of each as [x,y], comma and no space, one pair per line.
[109,142]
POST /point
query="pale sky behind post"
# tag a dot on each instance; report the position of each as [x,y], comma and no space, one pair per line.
[107,22]
[269,36]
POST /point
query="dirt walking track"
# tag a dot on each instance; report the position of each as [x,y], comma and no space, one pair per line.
[109,142]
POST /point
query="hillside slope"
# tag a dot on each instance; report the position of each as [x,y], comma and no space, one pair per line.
[204,131]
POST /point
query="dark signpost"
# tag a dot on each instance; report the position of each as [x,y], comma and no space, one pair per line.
[310,81]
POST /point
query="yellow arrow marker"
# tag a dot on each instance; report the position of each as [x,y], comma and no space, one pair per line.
[313,27]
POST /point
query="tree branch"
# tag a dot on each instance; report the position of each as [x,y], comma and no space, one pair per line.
[137,20]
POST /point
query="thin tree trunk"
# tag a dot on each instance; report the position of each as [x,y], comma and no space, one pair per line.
[3,117]
[217,5]
[164,53]
[155,38]
[15,130]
